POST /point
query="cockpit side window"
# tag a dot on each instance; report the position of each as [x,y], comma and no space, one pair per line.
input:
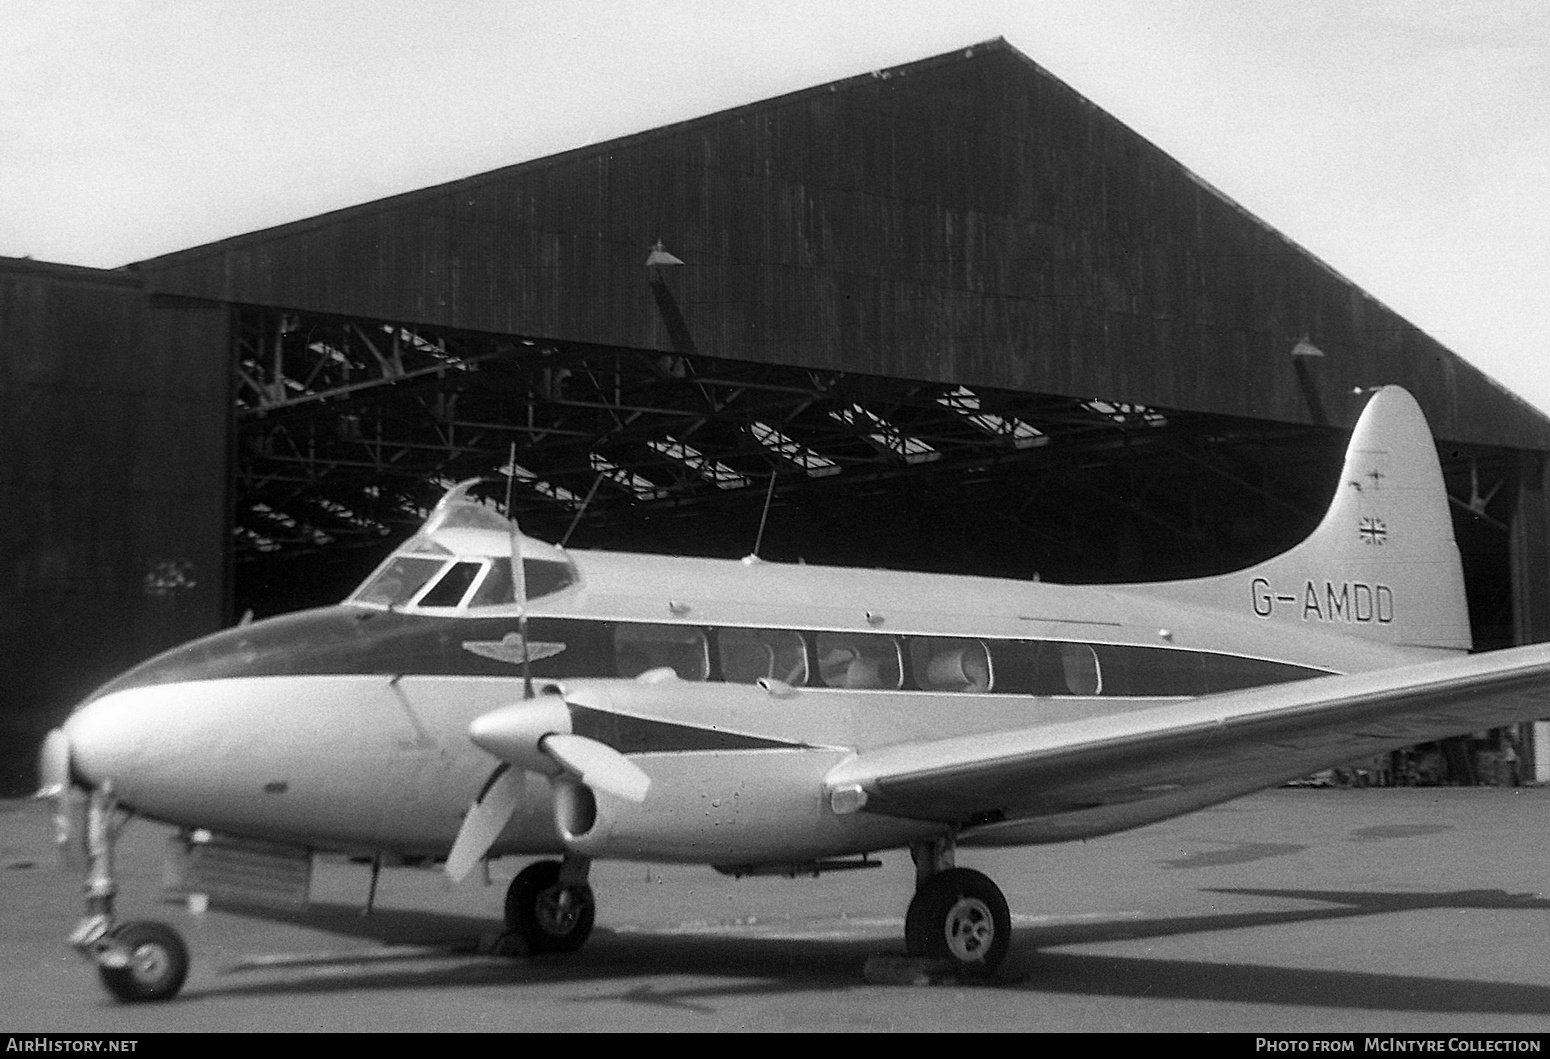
[544,577]
[398,580]
[495,589]
[453,586]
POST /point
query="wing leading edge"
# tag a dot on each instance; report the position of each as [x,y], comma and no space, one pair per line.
[1082,778]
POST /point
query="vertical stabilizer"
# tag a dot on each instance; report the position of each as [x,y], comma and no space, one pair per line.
[1382,564]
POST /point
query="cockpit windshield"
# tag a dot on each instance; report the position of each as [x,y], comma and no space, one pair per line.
[461,558]
[424,581]
[397,582]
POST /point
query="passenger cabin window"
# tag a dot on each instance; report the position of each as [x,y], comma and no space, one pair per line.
[453,585]
[1079,666]
[858,660]
[1046,667]
[681,648]
[943,663]
[399,579]
[749,655]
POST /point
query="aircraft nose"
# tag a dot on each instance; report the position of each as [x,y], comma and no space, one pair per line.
[112,737]
[156,744]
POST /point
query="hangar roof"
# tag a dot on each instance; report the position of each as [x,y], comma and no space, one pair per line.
[966,219]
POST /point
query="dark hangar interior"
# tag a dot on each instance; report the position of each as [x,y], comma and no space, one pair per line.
[949,316]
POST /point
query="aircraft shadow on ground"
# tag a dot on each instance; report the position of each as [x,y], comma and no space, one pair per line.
[1092,974]
[769,966]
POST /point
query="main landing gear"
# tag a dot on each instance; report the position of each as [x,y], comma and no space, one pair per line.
[136,961]
[549,905]
[957,915]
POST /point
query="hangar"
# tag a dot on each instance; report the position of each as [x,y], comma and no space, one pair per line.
[947,316]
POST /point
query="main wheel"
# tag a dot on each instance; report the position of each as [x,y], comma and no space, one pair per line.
[959,915]
[548,916]
[158,963]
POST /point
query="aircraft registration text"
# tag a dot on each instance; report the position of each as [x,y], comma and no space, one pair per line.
[1352,602]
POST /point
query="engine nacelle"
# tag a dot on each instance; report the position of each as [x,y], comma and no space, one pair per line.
[723,807]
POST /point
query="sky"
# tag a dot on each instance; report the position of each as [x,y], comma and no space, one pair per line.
[1406,143]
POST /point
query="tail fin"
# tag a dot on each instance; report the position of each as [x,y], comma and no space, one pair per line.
[1382,564]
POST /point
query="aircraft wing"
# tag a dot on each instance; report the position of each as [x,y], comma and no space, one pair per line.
[1187,755]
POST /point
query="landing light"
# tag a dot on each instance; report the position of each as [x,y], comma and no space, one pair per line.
[847,799]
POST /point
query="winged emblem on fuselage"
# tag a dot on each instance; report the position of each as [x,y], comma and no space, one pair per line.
[509,649]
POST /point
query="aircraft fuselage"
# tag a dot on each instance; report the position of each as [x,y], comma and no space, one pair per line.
[346,727]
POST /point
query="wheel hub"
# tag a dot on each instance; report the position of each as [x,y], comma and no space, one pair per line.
[149,963]
[970,929]
[558,911]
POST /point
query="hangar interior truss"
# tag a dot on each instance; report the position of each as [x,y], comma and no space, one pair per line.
[348,429]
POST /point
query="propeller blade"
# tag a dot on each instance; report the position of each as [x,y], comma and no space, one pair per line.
[536,735]
[599,766]
[486,819]
[69,803]
[70,828]
[54,765]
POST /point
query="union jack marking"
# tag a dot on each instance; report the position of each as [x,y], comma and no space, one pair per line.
[1373,531]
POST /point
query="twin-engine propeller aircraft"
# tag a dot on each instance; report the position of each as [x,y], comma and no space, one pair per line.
[485,695]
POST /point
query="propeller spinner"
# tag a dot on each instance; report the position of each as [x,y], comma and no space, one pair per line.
[535,736]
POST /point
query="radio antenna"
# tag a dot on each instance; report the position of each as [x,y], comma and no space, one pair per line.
[769,494]
[518,574]
[582,510]
[511,473]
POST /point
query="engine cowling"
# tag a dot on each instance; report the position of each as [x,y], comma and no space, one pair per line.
[722,808]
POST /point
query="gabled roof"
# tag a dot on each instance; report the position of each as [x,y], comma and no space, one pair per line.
[967,218]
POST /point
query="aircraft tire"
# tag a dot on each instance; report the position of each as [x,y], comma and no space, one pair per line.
[547,916]
[158,963]
[961,916]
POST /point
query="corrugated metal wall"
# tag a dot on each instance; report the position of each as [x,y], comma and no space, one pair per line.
[114,418]
[967,218]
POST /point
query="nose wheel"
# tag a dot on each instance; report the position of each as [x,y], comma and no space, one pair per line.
[146,961]
[550,906]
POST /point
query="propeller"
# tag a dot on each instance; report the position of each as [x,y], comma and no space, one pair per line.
[69,807]
[54,765]
[534,736]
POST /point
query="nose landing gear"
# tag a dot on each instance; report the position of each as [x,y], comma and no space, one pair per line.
[136,961]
